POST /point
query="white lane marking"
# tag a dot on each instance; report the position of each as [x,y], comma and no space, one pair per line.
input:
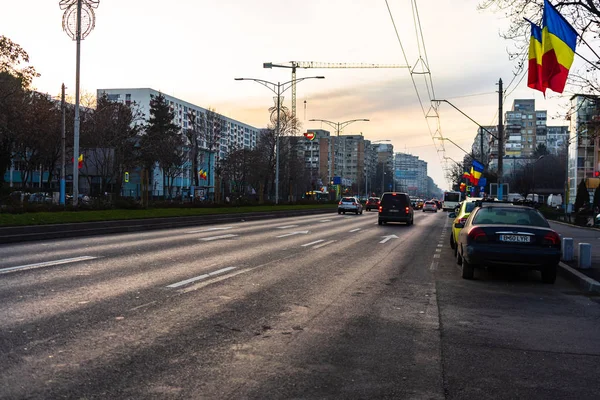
[48,263]
[293,233]
[325,220]
[315,242]
[218,237]
[433,266]
[436,256]
[222,228]
[200,277]
[386,238]
[323,244]
[287,226]
[142,306]
[438,250]
[440,245]
[355,230]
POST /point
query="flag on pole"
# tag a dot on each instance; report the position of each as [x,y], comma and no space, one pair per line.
[558,46]
[466,174]
[476,171]
[534,76]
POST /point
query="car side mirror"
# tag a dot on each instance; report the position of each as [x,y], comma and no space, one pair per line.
[452,215]
[459,225]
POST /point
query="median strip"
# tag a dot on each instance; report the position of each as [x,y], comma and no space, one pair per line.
[47,264]
[200,277]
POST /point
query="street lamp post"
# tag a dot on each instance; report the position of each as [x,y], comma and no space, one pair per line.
[278,88]
[533,177]
[338,126]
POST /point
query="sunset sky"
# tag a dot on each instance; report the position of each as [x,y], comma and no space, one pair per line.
[193,49]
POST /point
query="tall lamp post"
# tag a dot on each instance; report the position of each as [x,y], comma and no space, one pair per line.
[338,126]
[78,21]
[278,88]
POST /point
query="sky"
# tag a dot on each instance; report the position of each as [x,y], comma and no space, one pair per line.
[193,50]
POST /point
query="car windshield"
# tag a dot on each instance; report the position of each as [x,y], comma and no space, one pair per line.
[510,216]
[470,206]
[398,200]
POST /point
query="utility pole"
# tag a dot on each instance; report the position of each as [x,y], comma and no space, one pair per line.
[500,140]
[63,183]
[481,141]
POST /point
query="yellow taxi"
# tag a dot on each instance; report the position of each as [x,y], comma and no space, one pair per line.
[460,217]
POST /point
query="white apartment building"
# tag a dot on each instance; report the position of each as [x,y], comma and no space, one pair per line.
[237,134]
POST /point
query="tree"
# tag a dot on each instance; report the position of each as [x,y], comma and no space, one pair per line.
[583,196]
[161,142]
[583,15]
[540,150]
[14,81]
[110,134]
[596,203]
[212,127]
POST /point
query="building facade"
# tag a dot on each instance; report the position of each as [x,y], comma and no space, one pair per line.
[411,175]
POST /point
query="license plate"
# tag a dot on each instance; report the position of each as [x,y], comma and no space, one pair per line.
[394,210]
[515,238]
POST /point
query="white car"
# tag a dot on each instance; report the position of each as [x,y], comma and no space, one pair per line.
[430,206]
[350,204]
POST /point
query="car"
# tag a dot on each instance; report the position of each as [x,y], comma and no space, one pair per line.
[350,204]
[460,216]
[430,206]
[395,207]
[372,203]
[419,204]
[504,234]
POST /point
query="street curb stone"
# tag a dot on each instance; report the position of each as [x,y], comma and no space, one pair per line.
[583,281]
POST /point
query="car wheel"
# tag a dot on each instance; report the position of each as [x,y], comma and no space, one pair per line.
[459,259]
[467,270]
[360,212]
[380,222]
[423,210]
[452,246]
[549,274]
[455,251]
[339,212]
[356,212]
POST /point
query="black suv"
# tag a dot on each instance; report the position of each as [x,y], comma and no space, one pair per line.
[395,207]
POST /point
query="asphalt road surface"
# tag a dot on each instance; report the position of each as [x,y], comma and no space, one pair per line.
[315,307]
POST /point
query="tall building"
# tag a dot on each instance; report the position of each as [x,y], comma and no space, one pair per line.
[237,134]
[556,139]
[583,157]
[411,174]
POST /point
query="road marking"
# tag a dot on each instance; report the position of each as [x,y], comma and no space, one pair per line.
[287,226]
[315,242]
[355,230]
[200,277]
[433,266]
[211,229]
[218,237]
[436,256]
[325,220]
[142,306]
[438,250]
[293,233]
[47,263]
[440,245]
[323,244]
[386,238]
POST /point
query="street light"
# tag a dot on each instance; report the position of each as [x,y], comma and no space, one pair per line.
[278,88]
[533,177]
[338,126]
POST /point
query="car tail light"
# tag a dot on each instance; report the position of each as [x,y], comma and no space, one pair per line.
[353,203]
[407,209]
[551,238]
[340,203]
[462,221]
[477,234]
[380,209]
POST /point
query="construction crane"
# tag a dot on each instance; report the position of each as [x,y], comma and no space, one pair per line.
[293,65]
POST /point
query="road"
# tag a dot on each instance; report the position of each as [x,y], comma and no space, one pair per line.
[316,307]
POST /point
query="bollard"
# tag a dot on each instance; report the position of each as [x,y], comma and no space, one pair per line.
[567,249]
[584,260]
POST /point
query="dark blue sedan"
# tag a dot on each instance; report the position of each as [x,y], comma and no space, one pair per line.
[502,234]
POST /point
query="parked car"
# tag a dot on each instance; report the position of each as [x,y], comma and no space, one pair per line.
[350,204]
[395,207]
[502,234]
[372,203]
[460,217]
[430,206]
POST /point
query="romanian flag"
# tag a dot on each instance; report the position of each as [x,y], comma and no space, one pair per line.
[558,46]
[79,161]
[476,171]
[201,174]
[534,77]
[466,174]
[462,187]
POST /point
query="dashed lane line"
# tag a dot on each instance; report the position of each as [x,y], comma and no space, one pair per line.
[323,244]
[47,264]
[201,277]
[217,237]
[315,242]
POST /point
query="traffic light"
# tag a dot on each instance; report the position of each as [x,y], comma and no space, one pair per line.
[596,174]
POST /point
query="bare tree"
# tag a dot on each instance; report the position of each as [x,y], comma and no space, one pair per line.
[213,127]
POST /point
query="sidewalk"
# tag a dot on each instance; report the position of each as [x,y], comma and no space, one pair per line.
[581,234]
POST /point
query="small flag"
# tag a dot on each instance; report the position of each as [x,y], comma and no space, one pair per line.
[534,76]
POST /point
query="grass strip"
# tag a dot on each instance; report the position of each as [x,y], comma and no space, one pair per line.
[64,217]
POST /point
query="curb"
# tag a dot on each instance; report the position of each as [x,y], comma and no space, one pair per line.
[573,225]
[582,280]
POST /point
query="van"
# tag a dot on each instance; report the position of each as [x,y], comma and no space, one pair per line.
[395,207]
[554,200]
